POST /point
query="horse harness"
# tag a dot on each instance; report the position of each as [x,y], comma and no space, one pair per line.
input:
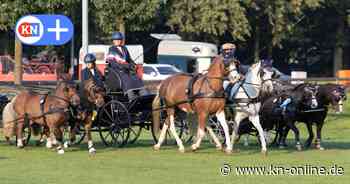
[190,92]
[43,99]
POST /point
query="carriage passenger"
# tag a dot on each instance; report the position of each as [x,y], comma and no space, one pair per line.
[91,71]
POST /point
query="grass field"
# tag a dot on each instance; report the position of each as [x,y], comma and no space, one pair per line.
[138,163]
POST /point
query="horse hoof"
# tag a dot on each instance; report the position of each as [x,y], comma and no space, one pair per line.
[92,151]
[319,147]
[194,148]
[66,144]
[156,147]
[48,145]
[20,147]
[219,148]
[264,152]
[182,150]
[60,152]
[228,151]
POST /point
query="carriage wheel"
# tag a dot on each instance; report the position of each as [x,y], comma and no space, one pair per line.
[217,128]
[135,132]
[114,124]
[182,129]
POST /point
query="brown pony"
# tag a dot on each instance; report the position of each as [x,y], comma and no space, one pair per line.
[207,98]
[92,96]
[46,110]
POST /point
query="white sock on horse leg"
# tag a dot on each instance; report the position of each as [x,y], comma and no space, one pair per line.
[222,119]
[201,134]
[162,135]
[173,131]
[48,143]
[256,122]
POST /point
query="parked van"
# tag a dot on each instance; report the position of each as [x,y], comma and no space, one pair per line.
[188,56]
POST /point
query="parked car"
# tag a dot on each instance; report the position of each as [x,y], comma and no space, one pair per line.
[158,71]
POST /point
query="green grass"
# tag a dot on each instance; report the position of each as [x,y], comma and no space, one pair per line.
[138,163]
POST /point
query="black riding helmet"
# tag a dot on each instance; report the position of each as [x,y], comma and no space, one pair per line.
[89,58]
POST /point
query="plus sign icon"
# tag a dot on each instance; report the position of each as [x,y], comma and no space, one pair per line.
[44,29]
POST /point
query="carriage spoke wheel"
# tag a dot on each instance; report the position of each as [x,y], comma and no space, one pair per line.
[217,129]
[135,132]
[182,129]
[114,124]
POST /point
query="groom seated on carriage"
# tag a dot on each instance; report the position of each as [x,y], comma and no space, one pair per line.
[91,71]
[122,74]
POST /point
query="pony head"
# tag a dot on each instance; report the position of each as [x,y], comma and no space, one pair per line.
[266,74]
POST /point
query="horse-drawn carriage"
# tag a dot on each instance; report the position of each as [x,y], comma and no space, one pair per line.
[123,116]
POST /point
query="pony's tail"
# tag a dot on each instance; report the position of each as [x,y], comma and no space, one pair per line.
[156,113]
[9,117]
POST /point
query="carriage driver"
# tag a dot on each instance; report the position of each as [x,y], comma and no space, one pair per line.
[90,71]
[119,59]
[119,54]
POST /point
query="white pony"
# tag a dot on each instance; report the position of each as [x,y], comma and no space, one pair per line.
[245,96]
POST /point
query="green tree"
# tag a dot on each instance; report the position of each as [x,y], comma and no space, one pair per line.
[273,21]
[212,17]
[126,15]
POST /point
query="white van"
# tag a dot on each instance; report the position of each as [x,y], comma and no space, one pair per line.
[188,56]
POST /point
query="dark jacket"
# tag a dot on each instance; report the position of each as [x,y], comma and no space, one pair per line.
[129,66]
[86,74]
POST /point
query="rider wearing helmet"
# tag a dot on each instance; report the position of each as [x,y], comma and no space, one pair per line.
[118,54]
[90,71]
[120,61]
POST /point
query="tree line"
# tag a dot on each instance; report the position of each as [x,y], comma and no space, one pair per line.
[307,33]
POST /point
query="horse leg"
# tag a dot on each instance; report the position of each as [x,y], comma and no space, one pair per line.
[45,133]
[202,118]
[162,134]
[291,125]
[59,140]
[246,140]
[173,131]
[318,136]
[311,134]
[238,118]
[222,119]
[256,122]
[52,138]
[20,127]
[283,138]
[87,126]
[214,138]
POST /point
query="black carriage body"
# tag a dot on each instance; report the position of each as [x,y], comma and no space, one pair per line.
[122,118]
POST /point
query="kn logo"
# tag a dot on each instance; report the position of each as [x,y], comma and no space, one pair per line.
[44,29]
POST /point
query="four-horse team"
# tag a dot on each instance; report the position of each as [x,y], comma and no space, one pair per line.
[243,100]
